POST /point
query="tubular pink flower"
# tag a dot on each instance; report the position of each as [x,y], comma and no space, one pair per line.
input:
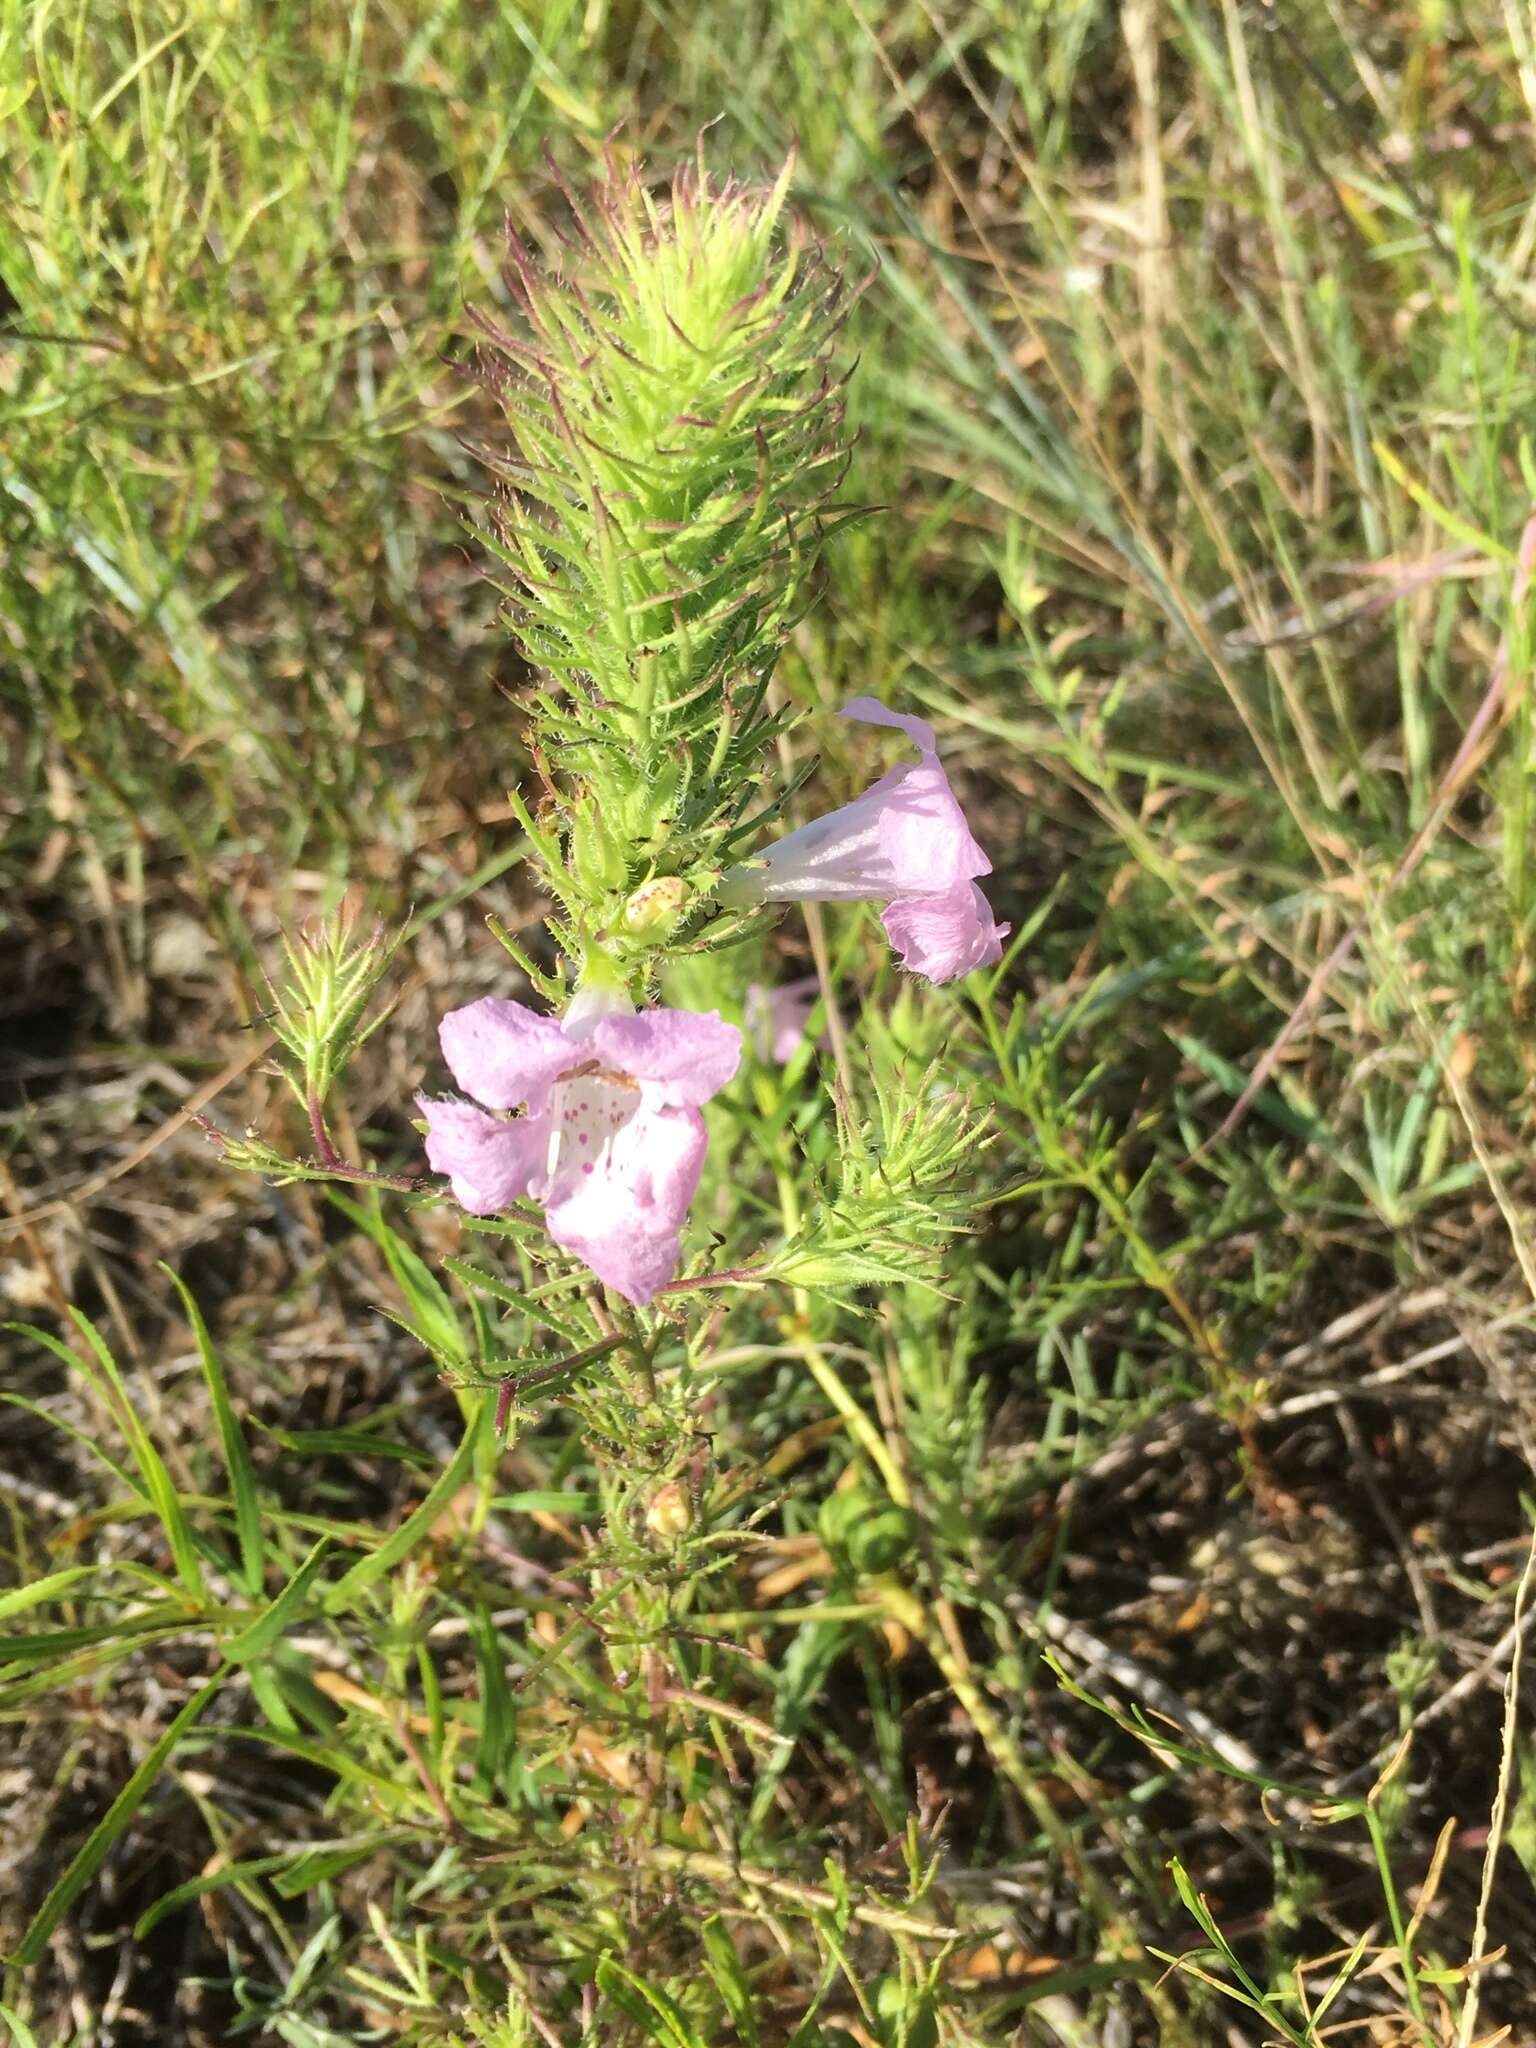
[610,1142]
[903,843]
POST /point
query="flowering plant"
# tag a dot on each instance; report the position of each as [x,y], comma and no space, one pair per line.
[676,441]
[632,1174]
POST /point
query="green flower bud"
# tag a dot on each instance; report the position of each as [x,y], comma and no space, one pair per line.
[652,912]
[319,1005]
[675,421]
[866,1530]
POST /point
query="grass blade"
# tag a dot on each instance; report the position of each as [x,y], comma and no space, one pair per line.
[237,1457]
[264,1631]
[158,1484]
[397,1547]
[109,1828]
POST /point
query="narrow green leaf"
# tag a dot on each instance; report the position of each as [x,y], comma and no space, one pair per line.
[264,1631]
[1341,1981]
[1459,528]
[509,1296]
[398,1546]
[268,1692]
[1268,1103]
[658,2017]
[548,1501]
[59,1642]
[159,1486]
[434,1317]
[199,1887]
[237,1457]
[311,1956]
[350,1443]
[49,1588]
[113,1823]
[498,1728]
[799,1684]
[724,1965]
[285,1689]
[329,1755]
[321,1865]
[45,1415]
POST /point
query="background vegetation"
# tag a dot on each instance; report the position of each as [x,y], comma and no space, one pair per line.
[1192,397]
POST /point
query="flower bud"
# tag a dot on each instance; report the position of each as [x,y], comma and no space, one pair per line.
[652,912]
[669,1513]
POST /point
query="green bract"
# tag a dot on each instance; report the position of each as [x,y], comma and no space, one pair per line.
[676,438]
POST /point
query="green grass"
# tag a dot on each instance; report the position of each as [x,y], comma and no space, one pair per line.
[1192,400]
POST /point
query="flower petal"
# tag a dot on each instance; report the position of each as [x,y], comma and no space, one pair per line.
[870,711]
[594,999]
[682,1057]
[923,833]
[924,838]
[905,836]
[945,935]
[489,1162]
[624,1218]
[504,1054]
[835,858]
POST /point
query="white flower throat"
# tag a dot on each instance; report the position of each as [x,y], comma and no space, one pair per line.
[587,1109]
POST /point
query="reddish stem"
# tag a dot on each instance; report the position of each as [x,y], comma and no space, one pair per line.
[504,1398]
[732,1276]
[331,1160]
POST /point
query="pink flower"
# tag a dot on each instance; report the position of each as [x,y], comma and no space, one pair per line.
[610,1141]
[904,843]
[777,1016]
